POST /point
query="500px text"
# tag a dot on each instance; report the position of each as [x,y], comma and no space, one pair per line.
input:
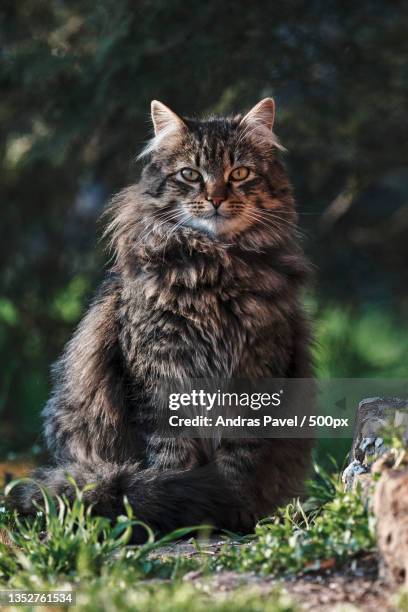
[301,422]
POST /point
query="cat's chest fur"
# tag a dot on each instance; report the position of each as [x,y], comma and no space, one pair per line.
[200,316]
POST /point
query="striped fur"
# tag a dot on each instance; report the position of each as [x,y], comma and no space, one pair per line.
[188,296]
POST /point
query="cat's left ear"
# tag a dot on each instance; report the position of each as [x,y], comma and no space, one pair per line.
[262,114]
[165,119]
[258,125]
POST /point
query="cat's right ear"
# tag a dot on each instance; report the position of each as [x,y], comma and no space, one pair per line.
[168,127]
[164,119]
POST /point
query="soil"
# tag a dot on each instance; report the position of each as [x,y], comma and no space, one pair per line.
[356,585]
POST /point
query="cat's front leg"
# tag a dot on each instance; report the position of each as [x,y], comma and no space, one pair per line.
[86,418]
[263,474]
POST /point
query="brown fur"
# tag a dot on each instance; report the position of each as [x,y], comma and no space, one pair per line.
[193,294]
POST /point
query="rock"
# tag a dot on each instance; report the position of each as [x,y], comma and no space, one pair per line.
[5,538]
[352,474]
[210,546]
[371,461]
[373,415]
[390,506]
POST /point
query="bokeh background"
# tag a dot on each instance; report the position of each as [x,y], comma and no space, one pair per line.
[76,82]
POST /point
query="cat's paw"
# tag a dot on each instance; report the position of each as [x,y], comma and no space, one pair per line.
[25,497]
[29,495]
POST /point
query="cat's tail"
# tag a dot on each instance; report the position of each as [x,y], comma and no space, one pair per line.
[163,500]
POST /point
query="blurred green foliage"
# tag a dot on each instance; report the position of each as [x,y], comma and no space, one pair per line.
[363,344]
[76,80]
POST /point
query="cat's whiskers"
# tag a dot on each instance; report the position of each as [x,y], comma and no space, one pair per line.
[165,218]
[272,214]
[270,222]
[186,217]
[143,237]
[266,215]
[252,217]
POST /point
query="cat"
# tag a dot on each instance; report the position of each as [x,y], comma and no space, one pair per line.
[206,282]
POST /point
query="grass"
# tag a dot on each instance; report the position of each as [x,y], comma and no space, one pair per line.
[176,597]
[306,537]
[66,547]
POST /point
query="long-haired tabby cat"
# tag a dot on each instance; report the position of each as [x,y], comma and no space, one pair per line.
[206,284]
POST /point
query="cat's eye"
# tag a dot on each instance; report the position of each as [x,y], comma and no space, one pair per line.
[239,174]
[190,175]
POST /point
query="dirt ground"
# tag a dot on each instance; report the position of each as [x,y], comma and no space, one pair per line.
[354,586]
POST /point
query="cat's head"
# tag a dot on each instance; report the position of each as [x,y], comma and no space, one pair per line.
[221,177]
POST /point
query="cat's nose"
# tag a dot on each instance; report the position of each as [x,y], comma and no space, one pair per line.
[216,201]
